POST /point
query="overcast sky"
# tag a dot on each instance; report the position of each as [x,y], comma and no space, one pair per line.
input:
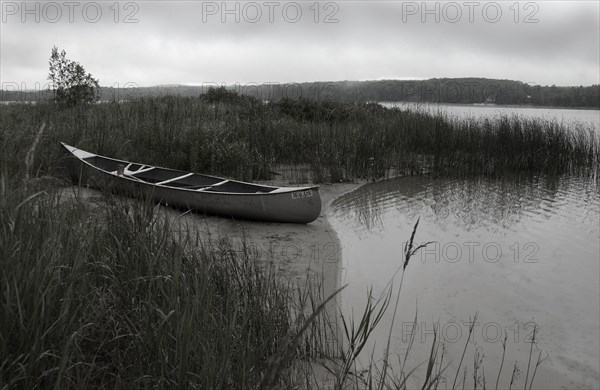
[191,42]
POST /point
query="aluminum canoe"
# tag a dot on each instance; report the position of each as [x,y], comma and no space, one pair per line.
[203,193]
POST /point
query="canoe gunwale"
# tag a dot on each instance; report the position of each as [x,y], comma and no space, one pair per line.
[275,191]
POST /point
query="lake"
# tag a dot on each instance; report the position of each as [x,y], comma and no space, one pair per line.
[587,118]
[518,252]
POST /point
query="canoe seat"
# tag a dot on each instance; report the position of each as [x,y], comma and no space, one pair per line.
[174,179]
[204,188]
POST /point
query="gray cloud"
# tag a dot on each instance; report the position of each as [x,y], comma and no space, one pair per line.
[187,42]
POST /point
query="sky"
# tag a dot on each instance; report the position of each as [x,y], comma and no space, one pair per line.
[147,43]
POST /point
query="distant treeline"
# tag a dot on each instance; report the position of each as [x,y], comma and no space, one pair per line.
[453,91]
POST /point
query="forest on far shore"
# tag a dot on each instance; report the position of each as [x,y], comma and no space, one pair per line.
[443,90]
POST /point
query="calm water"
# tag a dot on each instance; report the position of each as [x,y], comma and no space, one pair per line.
[586,118]
[516,252]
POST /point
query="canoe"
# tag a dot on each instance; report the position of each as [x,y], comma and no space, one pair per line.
[192,191]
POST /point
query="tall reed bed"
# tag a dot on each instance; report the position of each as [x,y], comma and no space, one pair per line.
[102,295]
[248,139]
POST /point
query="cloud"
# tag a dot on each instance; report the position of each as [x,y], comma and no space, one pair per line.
[185,42]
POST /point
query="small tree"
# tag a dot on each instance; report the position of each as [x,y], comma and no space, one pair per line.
[221,95]
[69,82]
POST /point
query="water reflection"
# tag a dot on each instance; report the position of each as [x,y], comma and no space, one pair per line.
[468,204]
[513,250]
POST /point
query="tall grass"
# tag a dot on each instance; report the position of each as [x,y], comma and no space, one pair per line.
[103,296]
[249,139]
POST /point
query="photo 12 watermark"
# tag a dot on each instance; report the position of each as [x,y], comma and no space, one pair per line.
[270,11]
[474,251]
[271,91]
[69,11]
[465,91]
[14,91]
[471,330]
[120,91]
[469,11]
[292,252]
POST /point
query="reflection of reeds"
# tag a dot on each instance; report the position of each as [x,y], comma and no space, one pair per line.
[248,139]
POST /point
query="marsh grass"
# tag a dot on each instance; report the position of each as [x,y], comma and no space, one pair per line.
[248,139]
[101,295]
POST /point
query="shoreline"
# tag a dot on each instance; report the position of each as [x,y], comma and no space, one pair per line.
[493,105]
[303,256]
[299,253]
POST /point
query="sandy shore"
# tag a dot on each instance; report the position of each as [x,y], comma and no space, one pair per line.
[298,253]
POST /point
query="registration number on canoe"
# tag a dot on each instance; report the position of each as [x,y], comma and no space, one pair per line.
[301,194]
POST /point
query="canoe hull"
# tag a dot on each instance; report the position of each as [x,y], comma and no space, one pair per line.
[285,206]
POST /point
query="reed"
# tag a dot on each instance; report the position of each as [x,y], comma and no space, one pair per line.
[101,295]
[248,139]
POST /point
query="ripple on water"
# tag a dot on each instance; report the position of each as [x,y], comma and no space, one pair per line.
[547,230]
